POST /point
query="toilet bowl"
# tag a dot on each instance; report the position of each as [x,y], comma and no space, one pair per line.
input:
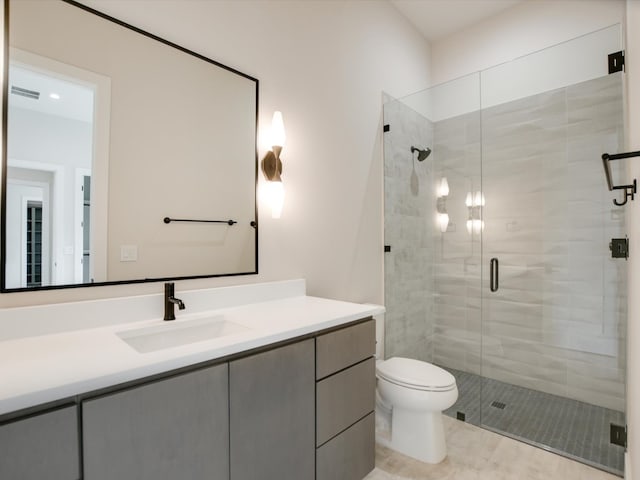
[416,392]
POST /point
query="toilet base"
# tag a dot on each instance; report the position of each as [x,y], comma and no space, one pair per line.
[418,435]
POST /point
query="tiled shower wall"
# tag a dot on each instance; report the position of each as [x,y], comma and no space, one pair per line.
[557,323]
[409,216]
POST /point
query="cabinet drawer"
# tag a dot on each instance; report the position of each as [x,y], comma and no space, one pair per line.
[39,447]
[343,399]
[350,455]
[342,348]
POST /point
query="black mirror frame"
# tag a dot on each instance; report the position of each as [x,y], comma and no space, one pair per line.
[3,186]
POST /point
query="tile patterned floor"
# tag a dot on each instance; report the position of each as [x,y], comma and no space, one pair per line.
[478,454]
[566,425]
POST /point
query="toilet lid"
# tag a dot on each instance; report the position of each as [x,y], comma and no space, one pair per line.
[416,374]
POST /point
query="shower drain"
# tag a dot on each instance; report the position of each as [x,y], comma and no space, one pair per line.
[499,405]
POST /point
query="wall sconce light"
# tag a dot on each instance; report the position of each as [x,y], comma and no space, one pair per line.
[474,203]
[273,190]
[442,191]
[443,187]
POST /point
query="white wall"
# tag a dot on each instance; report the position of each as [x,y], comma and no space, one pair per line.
[520,30]
[324,65]
[573,61]
[633,221]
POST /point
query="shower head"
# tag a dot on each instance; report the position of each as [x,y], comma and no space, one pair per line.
[422,154]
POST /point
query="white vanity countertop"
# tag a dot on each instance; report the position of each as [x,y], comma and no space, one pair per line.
[39,369]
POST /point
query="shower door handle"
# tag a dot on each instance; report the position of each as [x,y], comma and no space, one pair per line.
[493,281]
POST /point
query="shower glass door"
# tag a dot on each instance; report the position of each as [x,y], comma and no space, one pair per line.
[553,299]
[514,185]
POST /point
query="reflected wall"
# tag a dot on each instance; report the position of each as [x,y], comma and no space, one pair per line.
[174,135]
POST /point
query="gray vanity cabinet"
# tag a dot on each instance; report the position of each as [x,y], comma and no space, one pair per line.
[160,430]
[294,411]
[43,446]
[272,416]
[345,402]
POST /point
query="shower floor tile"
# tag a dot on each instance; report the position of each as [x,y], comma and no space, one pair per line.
[568,426]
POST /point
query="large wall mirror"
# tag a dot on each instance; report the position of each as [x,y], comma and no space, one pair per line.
[109,133]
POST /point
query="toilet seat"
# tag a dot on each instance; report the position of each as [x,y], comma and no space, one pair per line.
[415,374]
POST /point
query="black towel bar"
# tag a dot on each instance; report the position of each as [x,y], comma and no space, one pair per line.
[169,220]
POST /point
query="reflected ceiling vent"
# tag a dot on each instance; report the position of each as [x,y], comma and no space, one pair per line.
[23,92]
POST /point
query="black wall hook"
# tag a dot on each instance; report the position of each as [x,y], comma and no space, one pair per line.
[629,190]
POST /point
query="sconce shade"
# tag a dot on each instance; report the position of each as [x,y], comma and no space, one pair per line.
[271,164]
[475,203]
[273,189]
[475,226]
[443,188]
[443,221]
[273,195]
[278,137]
[475,200]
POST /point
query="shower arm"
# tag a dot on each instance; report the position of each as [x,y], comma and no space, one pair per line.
[629,190]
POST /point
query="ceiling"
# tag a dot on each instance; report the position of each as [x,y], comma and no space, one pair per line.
[74,101]
[437,19]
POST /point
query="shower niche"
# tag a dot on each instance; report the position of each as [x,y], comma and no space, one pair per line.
[500,273]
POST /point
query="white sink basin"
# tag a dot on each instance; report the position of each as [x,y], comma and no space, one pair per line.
[177,333]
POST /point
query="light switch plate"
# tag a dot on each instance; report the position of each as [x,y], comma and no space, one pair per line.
[128,253]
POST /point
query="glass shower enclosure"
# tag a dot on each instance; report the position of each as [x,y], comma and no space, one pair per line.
[499,267]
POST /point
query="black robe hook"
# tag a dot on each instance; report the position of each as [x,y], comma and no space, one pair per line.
[629,192]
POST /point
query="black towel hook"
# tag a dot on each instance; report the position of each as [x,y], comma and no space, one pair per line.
[629,190]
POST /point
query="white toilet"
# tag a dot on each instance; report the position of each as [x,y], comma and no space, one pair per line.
[416,393]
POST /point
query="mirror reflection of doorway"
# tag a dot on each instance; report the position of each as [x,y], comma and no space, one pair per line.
[50,140]
[33,244]
[29,218]
[86,229]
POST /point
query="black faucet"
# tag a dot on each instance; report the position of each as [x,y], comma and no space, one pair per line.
[170,301]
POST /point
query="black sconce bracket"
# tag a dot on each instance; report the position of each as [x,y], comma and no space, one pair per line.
[629,190]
